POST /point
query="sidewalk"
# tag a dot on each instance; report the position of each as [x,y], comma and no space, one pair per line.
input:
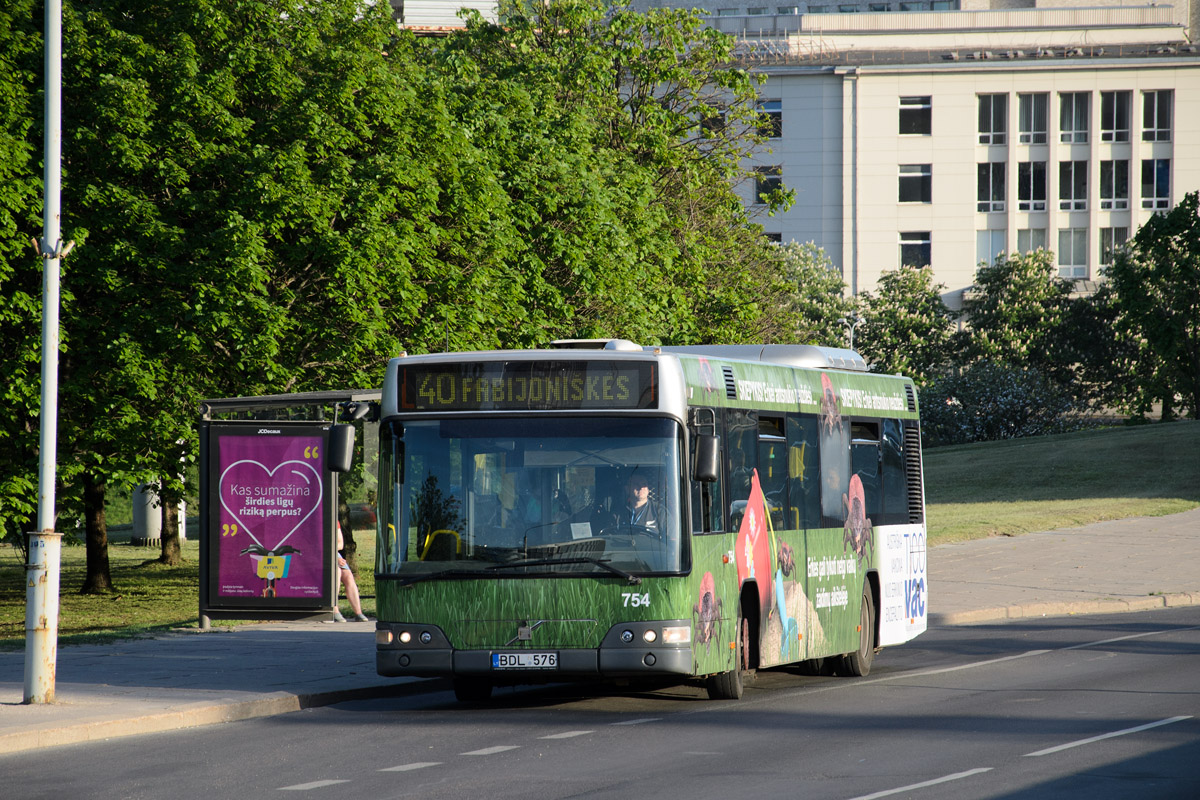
[191,678]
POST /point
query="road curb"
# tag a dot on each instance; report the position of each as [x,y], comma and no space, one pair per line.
[1106,605]
[194,715]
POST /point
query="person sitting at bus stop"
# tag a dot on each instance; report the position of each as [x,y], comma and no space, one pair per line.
[347,580]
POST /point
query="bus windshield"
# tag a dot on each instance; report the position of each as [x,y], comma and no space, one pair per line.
[509,497]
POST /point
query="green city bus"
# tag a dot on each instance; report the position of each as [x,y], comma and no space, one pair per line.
[601,510]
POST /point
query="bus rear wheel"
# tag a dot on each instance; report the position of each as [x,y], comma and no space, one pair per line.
[729,685]
[859,662]
[472,690]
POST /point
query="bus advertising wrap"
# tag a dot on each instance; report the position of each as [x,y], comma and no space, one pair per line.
[270,516]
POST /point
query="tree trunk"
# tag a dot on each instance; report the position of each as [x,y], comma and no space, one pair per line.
[98,580]
[171,554]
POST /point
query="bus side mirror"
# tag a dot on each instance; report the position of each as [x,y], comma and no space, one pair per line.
[707,467]
[340,452]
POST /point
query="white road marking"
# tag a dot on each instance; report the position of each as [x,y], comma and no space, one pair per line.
[1102,736]
[1130,636]
[566,735]
[304,787]
[924,784]
[489,751]
[414,765]
[639,721]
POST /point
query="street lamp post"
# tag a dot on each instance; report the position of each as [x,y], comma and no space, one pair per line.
[851,322]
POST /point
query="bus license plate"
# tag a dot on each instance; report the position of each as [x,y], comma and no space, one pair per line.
[524,660]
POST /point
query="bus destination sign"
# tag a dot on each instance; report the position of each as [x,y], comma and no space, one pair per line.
[528,385]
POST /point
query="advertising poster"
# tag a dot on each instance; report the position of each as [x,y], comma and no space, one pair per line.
[270,511]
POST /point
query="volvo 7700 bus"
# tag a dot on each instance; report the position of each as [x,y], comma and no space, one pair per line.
[601,510]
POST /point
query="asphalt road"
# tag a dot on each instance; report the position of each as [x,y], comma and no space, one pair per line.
[1076,707]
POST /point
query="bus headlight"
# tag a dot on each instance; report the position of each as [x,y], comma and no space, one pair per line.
[405,637]
[649,635]
[681,634]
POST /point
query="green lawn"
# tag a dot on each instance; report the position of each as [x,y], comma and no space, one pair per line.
[973,491]
[1024,485]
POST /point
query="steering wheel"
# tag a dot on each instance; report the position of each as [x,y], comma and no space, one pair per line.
[629,529]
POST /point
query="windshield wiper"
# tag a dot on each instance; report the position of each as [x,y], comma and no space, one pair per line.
[408,580]
[544,562]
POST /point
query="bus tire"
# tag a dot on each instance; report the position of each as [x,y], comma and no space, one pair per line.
[472,690]
[859,662]
[729,685]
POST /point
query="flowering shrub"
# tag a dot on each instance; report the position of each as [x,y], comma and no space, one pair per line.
[985,401]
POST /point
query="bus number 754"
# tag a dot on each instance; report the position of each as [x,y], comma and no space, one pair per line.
[636,600]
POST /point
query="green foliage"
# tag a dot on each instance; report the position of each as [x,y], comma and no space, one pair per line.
[818,302]
[1017,313]
[20,268]
[1155,294]
[987,401]
[906,327]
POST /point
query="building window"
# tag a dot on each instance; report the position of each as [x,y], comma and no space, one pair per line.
[1156,183]
[1072,185]
[1114,185]
[911,6]
[1031,108]
[818,9]
[1030,239]
[1115,116]
[766,180]
[916,183]
[1072,253]
[1111,240]
[1073,117]
[770,118]
[756,11]
[714,121]
[848,9]
[944,5]
[989,245]
[776,238]
[916,115]
[1156,116]
[991,186]
[993,118]
[915,249]
[727,12]
[877,7]
[1031,186]
[786,10]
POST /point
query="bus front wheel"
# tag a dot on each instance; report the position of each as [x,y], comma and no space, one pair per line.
[729,685]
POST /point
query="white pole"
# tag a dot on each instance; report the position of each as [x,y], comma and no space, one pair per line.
[45,546]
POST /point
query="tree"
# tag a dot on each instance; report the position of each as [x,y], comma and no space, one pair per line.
[1155,286]
[1017,314]
[906,326]
[624,220]
[256,192]
[818,302]
[20,268]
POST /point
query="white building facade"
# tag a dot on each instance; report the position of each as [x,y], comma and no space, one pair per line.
[971,146]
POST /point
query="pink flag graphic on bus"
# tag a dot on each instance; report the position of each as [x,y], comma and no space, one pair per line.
[753,549]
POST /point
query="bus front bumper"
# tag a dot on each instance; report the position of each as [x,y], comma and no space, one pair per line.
[625,652]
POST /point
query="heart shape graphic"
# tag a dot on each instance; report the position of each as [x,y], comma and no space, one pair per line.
[279,499]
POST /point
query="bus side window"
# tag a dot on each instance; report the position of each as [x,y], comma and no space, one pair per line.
[741,439]
[864,461]
[895,483]
[773,466]
[804,472]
